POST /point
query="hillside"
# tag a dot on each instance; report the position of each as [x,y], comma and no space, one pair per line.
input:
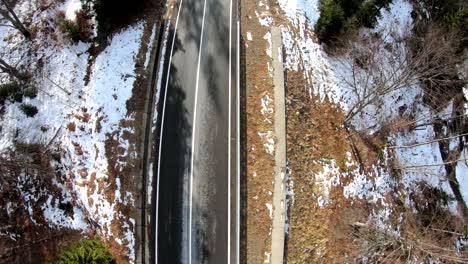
[71,163]
[376,138]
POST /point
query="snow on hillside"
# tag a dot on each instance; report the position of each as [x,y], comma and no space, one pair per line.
[78,119]
[323,74]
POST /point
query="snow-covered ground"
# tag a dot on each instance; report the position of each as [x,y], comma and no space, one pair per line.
[76,118]
[324,73]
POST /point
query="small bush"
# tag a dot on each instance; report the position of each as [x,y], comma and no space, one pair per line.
[368,14]
[71,28]
[457,19]
[30,93]
[79,30]
[338,16]
[87,251]
[8,90]
[331,21]
[28,109]
[83,20]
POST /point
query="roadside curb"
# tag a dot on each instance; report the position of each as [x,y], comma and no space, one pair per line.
[279,193]
[144,232]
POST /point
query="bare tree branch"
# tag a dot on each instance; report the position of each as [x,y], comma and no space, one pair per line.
[10,70]
[429,142]
[378,67]
[7,12]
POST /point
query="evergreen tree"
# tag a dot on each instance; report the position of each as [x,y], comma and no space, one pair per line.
[87,251]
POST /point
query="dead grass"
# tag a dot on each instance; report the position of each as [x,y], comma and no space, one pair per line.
[128,167]
[260,164]
[38,245]
[429,233]
[35,240]
[317,234]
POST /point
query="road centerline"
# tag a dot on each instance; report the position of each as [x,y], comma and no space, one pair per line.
[193,136]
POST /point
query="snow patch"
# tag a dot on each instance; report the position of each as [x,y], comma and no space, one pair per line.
[462,174]
[305,8]
[270,209]
[71,8]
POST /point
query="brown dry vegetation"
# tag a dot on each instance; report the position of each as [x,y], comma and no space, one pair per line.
[28,249]
[27,172]
[314,132]
[131,130]
[427,233]
[326,234]
[259,173]
[35,247]
[317,234]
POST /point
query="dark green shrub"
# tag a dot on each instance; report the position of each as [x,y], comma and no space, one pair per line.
[30,93]
[368,14]
[337,16]
[11,91]
[331,21]
[8,89]
[71,29]
[350,7]
[82,29]
[87,251]
[28,109]
[457,19]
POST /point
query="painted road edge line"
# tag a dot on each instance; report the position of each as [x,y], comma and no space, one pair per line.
[238,145]
[193,135]
[229,138]
[161,133]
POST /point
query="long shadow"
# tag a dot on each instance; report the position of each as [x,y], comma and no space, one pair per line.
[285,72]
[210,167]
[216,35]
[210,209]
[243,161]
[219,31]
[174,150]
[177,133]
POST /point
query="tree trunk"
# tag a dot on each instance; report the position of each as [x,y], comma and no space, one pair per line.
[11,16]
[7,68]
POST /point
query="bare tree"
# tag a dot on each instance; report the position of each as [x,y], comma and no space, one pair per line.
[10,70]
[423,244]
[23,159]
[378,66]
[7,12]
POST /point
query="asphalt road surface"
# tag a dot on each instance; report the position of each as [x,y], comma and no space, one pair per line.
[197,190]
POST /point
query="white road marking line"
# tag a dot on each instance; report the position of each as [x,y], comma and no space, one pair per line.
[193,134]
[161,133]
[238,145]
[229,140]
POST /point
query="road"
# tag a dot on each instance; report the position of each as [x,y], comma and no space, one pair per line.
[197,190]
